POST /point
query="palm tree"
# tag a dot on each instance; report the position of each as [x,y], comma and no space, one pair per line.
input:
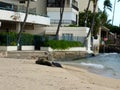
[62,5]
[93,20]
[94,14]
[114,11]
[86,12]
[23,25]
[107,5]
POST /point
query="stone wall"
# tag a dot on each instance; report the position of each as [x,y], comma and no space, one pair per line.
[3,54]
[67,55]
[58,55]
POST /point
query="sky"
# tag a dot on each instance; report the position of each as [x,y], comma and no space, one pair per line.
[110,13]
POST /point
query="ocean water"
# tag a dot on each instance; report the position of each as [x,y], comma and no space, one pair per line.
[107,64]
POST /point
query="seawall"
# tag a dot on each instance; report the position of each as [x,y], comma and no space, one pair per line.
[56,55]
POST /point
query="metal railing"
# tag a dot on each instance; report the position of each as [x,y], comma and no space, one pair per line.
[53,21]
[22,9]
[74,38]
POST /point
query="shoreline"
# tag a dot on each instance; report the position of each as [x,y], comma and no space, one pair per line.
[24,74]
[100,73]
[98,68]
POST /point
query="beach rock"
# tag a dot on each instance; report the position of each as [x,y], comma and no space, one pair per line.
[56,64]
[42,61]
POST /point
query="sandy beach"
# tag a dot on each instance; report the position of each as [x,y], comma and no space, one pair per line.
[21,74]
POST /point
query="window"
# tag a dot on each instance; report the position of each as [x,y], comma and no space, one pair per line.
[53,3]
[7,6]
[67,36]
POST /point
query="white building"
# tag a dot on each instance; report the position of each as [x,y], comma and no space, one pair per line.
[12,14]
[83,5]
[70,15]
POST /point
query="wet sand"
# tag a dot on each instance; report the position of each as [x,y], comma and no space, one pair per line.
[21,74]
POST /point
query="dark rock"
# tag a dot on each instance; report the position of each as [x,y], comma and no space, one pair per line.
[56,64]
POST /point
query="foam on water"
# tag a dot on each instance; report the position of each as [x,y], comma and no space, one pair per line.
[99,66]
[107,64]
[107,54]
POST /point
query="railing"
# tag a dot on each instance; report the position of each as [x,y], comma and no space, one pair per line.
[53,21]
[74,38]
[22,9]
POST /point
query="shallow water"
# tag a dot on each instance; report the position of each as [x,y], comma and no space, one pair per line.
[107,64]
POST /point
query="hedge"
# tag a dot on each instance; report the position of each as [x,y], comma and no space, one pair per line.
[62,44]
[10,39]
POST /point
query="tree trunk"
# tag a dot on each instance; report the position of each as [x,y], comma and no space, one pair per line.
[113,12]
[61,16]
[23,25]
[93,20]
[86,13]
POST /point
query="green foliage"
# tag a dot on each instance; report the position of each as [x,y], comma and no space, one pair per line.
[13,43]
[108,5]
[39,41]
[62,44]
[82,19]
[27,39]
[10,39]
[100,20]
[113,29]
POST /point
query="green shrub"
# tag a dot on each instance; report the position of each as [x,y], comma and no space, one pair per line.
[13,43]
[62,44]
[27,39]
[38,41]
[10,39]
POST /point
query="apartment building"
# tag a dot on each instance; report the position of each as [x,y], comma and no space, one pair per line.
[12,13]
[83,5]
[70,15]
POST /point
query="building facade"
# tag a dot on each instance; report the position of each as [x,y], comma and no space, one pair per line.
[83,5]
[70,15]
[12,13]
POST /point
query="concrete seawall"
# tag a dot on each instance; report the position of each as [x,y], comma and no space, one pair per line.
[57,55]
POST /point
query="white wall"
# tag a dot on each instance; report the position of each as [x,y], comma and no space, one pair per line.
[76,31]
[83,5]
[39,5]
[35,19]
[66,16]
[10,1]
[69,14]
[69,49]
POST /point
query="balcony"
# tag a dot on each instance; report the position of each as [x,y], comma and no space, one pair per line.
[17,15]
[53,21]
